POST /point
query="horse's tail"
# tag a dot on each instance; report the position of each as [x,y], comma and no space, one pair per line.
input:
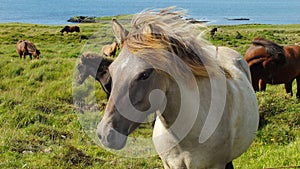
[274,50]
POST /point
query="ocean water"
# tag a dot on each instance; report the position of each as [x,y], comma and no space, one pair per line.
[57,12]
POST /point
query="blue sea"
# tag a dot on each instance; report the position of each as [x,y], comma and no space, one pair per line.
[56,12]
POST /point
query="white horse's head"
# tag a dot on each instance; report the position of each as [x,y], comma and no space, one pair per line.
[159,52]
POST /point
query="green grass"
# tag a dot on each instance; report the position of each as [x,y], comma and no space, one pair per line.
[39,125]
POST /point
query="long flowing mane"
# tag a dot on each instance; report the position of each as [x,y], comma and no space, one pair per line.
[274,50]
[155,33]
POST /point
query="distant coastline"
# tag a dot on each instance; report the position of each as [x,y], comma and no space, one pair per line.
[94,19]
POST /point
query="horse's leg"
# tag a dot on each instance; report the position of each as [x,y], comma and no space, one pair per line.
[30,55]
[255,85]
[298,86]
[288,87]
[229,165]
[263,85]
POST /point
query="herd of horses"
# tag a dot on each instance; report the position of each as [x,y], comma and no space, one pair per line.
[26,47]
[203,96]
[269,63]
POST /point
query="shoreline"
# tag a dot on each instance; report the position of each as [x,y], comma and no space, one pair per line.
[226,21]
[106,21]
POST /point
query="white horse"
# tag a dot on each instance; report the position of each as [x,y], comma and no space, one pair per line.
[207,111]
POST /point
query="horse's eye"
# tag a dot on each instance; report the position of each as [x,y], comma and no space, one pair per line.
[145,75]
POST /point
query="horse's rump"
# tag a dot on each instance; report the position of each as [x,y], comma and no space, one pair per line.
[30,47]
[21,47]
[110,49]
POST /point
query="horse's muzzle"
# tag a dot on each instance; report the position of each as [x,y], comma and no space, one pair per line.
[111,138]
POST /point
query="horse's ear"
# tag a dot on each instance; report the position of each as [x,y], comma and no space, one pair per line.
[83,58]
[119,31]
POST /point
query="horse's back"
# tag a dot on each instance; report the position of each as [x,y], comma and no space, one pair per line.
[105,50]
[110,49]
[243,109]
[30,46]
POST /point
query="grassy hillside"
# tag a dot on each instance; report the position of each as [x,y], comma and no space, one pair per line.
[39,125]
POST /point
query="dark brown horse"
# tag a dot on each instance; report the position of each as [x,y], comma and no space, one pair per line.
[271,63]
[213,32]
[92,64]
[25,47]
[70,29]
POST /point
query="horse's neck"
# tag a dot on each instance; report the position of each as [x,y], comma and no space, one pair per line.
[185,109]
[185,101]
[182,118]
[93,67]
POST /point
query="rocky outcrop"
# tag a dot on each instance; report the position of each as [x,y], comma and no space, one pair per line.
[82,19]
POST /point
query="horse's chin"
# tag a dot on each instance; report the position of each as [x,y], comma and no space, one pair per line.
[117,146]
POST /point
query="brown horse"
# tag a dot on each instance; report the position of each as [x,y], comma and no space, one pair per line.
[25,47]
[110,50]
[271,63]
[92,64]
[70,29]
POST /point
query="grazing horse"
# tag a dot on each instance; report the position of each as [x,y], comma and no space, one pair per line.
[213,32]
[271,63]
[70,29]
[25,47]
[110,50]
[91,64]
[207,111]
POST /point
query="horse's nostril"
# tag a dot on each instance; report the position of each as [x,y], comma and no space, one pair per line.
[99,136]
[110,136]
